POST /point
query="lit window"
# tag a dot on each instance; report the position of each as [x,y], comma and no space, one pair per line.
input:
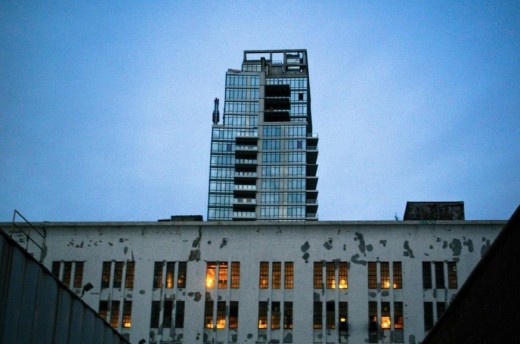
[343,275]
[264,275]
[331,281]
[118,274]
[211,271]
[235,275]
[385,275]
[262,315]
[127,314]
[318,275]
[276,278]
[222,275]
[170,274]
[289,275]
[105,277]
[385,315]
[221,314]
[208,314]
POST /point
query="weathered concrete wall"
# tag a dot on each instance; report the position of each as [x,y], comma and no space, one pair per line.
[357,243]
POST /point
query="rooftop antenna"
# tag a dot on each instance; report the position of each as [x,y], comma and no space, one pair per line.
[216,114]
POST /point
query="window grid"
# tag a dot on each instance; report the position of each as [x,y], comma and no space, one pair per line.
[235,275]
[398,275]
[114,314]
[318,275]
[222,276]
[127,314]
[343,316]
[317,315]
[372,275]
[398,315]
[385,275]
[118,274]
[262,315]
[233,315]
[221,314]
[276,277]
[275,315]
[452,275]
[170,274]
[343,275]
[330,277]
[288,315]
[289,275]
[130,274]
[208,314]
[264,275]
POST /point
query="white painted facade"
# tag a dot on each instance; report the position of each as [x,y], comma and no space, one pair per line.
[354,242]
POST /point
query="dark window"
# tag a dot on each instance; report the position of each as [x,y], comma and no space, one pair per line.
[452,275]
[262,315]
[289,275]
[103,309]
[127,314]
[264,275]
[318,275]
[56,269]
[233,314]
[130,274]
[287,315]
[78,275]
[372,275]
[179,314]
[372,322]
[441,307]
[67,270]
[105,277]
[208,314]
[428,316]
[157,275]
[275,315]
[343,316]
[235,276]
[276,277]
[317,315]
[118,274]
[181,279]
[398,315]
[331,321]
[398,275]
[427,275]
[439,275]
[167,316]
[156,311]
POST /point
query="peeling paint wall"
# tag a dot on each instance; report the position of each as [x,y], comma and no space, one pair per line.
[196,243]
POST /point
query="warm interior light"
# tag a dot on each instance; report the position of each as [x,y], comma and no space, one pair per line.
[343,319]
[343,284]
[395,285]
[386,284]
[209,324]
[262,324]
[385,322]
[333,284]
[221,323]
[210,283]
[127,324]
[263,283]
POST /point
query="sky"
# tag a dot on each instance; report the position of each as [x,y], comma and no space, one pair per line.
[105,106]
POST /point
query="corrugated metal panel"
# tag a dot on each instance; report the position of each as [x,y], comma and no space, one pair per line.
[36,308]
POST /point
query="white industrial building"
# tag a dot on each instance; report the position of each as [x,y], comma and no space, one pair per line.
[267,282]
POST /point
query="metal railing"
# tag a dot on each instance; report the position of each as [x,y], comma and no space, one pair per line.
[25,230]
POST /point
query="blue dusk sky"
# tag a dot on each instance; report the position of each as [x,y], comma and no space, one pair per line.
[105,106]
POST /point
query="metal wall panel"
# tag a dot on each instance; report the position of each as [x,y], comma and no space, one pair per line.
[36,308]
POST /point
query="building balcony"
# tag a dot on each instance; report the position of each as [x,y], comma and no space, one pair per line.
[246,187]
[312,183]
[246,175]
[244,215]
[312,169]
[247,148]
[246,201]
[246,162]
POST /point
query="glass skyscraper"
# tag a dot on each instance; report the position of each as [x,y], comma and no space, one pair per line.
[264,154]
